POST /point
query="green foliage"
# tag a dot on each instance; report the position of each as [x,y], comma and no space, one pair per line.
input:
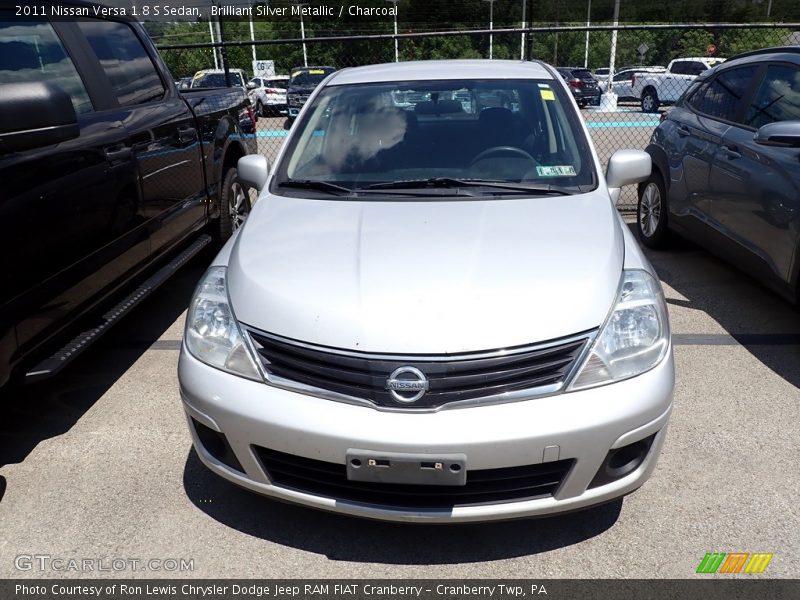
[561,48]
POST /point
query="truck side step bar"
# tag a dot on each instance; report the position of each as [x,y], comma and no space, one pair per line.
[53,364]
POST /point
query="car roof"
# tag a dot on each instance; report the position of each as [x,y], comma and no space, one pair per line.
[702,59]
[216,71]
[786,53]
[427,70]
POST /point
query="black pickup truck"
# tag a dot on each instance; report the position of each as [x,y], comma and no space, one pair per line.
[110,178]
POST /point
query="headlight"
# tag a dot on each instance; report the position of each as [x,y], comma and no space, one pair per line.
[212,333]
[634,338]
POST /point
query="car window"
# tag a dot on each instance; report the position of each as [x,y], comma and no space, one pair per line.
[310,76]
[30,51]
[720,97]
[214,80]
[689,67]
[277,83]
[125,61]
[777,98]
[256,81]
[362,134]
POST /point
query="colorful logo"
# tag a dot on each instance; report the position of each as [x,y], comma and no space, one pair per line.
[734,562]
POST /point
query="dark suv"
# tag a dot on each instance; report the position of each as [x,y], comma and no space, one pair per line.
[582,84]
[726,168]
[303,81]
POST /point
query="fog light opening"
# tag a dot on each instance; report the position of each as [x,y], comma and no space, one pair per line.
[622,461]
[216,444]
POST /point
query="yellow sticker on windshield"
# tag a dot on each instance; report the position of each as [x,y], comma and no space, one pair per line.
[316,72]
[547,94]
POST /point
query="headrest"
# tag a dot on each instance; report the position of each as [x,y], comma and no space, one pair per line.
[438,108]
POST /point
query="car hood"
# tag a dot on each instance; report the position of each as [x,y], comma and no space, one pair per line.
[418,277]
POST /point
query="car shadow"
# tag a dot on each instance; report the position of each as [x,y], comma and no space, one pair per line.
[344,538]
[751,314]
[30,414]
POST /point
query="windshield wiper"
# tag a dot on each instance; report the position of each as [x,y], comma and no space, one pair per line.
[449,182]
[313,184]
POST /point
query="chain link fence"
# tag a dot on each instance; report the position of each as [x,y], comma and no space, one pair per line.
[641,81]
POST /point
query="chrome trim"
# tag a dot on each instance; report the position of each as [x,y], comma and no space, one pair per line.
[516,396]
[469,355]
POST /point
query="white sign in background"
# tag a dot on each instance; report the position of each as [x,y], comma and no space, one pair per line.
[263,68]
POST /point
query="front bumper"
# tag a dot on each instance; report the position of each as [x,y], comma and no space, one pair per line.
[582,426]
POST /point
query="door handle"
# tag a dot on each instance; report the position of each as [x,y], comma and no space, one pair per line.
[683,130]
[731,151]
[187,135]
[117,154]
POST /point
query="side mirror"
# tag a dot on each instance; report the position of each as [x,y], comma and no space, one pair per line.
[253,171]
[35,114]
[251,85]
[780,133]
[626,167]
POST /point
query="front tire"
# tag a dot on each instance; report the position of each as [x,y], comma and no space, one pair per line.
[650,101]
[234,204]
[651,212]
[260,110]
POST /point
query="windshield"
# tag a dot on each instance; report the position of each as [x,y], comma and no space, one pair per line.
[408,133]
[209,80]
[312,76]
[582,74]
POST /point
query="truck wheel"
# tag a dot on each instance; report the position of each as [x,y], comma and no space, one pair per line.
[650,102]
[651,212]
[260,109]
[234,204]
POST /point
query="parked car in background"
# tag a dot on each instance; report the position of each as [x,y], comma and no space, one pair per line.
[268,94]
[726,172]
[184,83]
[663,88]
[215,78]
[601,72]
[302,83]
[582,84]
[623,81]
[433,314]
[110,177]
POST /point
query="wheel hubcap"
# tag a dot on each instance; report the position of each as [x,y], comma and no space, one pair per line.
[648,102]
[238,205]
[650,209]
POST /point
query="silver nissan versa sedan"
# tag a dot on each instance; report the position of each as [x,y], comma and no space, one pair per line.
[434,312]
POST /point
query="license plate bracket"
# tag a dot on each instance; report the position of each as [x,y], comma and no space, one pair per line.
[406,468]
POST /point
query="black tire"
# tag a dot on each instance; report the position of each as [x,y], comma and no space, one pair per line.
[650,101]
[652,212]
[260,111]
[581,103]
[234,204]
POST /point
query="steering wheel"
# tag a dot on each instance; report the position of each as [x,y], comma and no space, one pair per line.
[501,150]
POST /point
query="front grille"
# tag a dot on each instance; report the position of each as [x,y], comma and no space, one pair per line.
[484,486]
[451,378]
[298,100]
